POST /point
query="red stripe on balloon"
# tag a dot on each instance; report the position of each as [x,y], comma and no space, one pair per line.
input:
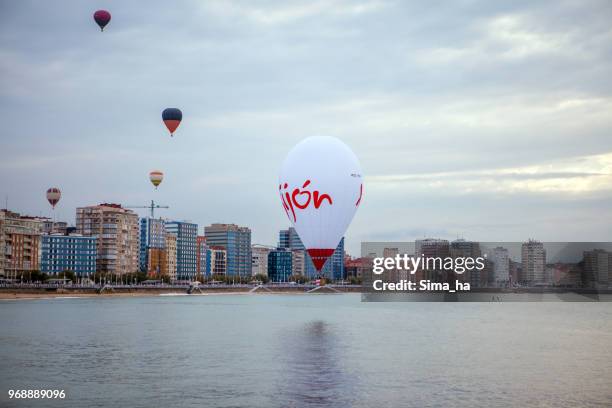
[319,256]
[172,124]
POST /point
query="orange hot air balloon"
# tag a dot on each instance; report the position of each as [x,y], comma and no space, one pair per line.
[53,196]
[156,177]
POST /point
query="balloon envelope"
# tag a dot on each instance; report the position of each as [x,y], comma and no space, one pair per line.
[102,18]
[172,118]
[156,177]
[320,186]
[53,196]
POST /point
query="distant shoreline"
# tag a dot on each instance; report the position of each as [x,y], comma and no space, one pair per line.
[63,292]
[15,293]
[34,296]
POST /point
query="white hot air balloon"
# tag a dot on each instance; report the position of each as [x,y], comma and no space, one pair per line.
[320,186]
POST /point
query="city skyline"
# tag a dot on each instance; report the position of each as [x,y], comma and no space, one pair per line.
[111,240]
[495,128]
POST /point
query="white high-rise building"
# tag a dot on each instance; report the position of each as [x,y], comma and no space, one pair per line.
[298,262]
[501,264]
[259,256]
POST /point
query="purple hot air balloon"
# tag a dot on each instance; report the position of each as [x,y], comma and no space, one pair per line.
[102,18]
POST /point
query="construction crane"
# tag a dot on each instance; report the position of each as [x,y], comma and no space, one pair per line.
[151,207]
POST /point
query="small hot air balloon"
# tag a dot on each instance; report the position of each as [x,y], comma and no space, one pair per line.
[156,177]
[102,18]
[53,196]
[172,118]
[320,186]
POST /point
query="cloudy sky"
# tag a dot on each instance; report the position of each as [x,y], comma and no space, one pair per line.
[477,119]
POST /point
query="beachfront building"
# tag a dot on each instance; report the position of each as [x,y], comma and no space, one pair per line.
[335,264]
[461,248]
[298,262]
[202,253]
[117,232]
[186,254]
[279,265]
[152,245]
[19,244]
[394,274]
[259,254]
[431,248]
[218,260]
[597,268]
[358,267]
[501,265]
[157,263]
[68,252]
[533,259]
[170,251]
[515,271]
[236,241]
